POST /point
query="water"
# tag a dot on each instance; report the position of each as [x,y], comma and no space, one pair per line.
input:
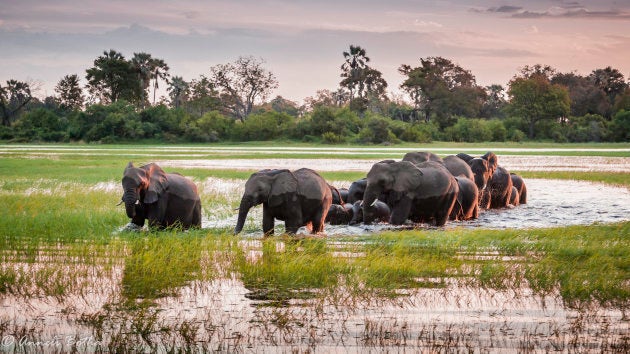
[550,203]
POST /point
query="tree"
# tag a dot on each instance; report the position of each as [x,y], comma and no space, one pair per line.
[611,81]
[178,91]
[494,102]
[437,84]
[241,84]
[202,96]
[113,78]
[535,99]
[70,93]
[355,61]
[149,68]
[586,97]
[13,97]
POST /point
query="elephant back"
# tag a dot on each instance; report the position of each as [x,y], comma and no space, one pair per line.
[311,185]
[421,156]
[457,167]
[181,186]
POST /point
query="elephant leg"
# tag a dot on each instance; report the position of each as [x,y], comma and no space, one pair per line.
[268,221]
[318,220]
[196,218]
[291,227]
[400,212]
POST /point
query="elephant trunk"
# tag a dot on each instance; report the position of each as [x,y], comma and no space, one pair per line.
[130,199]
[242,215]
[369,198]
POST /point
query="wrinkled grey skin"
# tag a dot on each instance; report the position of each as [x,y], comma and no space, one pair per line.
[165,199]
[356,190]
[467,205]
[421,156]
[339,214]
[457,167]
[482,173]
[299,198]
[422,193]
[339,195]
[500,187]
[379,212]
[514,197]
[517,181]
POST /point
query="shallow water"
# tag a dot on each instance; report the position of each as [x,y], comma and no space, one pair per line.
[510,162]
[550,203]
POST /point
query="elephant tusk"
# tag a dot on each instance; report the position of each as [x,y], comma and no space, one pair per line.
[119,203]
[374,202]
[236,209]
[137,202]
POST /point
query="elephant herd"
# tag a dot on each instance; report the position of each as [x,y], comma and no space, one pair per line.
[425,188]
[422,188]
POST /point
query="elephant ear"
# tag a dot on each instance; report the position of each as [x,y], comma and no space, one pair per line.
[284,182]
[157,183]
[407,177]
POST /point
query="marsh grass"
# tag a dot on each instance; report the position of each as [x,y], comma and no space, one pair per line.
[61,240]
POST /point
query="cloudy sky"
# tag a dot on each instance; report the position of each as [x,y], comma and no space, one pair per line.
[302,41]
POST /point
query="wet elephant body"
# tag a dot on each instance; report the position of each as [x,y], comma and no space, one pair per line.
[164,199]
[500,187]
[378,212]
[422,193]
[467,206]
[421,156]
[517,181]
[340,214]
[299,198]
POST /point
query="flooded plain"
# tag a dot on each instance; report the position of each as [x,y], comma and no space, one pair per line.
[353,291]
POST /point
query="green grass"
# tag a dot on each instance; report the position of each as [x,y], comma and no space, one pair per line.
[60,237]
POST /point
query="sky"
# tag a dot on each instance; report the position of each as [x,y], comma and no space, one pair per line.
[302,41]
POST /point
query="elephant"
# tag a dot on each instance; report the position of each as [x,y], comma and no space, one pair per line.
[493,161]
[457,167]
[165,199]
[339,195]
[500,188]
[514,197]
[340,214]
[467,206]
[419,193]
[356,190]
[518,182]
[481,174]
[421,156]
[379,212]
[299,198]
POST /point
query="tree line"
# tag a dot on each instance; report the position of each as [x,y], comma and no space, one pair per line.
[231,102]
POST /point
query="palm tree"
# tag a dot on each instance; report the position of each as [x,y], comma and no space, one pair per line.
[142,62]
[355,62]
[160,71]
[150,68]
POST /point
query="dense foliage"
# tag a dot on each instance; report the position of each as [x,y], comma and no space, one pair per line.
[229,104]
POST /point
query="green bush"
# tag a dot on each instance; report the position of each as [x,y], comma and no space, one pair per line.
[377,131]
[41,125]
[211,127]
[332,138]
[264,126]
[620,126]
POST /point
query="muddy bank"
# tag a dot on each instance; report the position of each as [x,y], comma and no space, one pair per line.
[515,163]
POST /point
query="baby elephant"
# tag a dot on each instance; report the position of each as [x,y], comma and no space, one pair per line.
[379,212]
[165,199]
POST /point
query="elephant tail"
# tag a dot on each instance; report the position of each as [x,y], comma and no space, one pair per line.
[334,189]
